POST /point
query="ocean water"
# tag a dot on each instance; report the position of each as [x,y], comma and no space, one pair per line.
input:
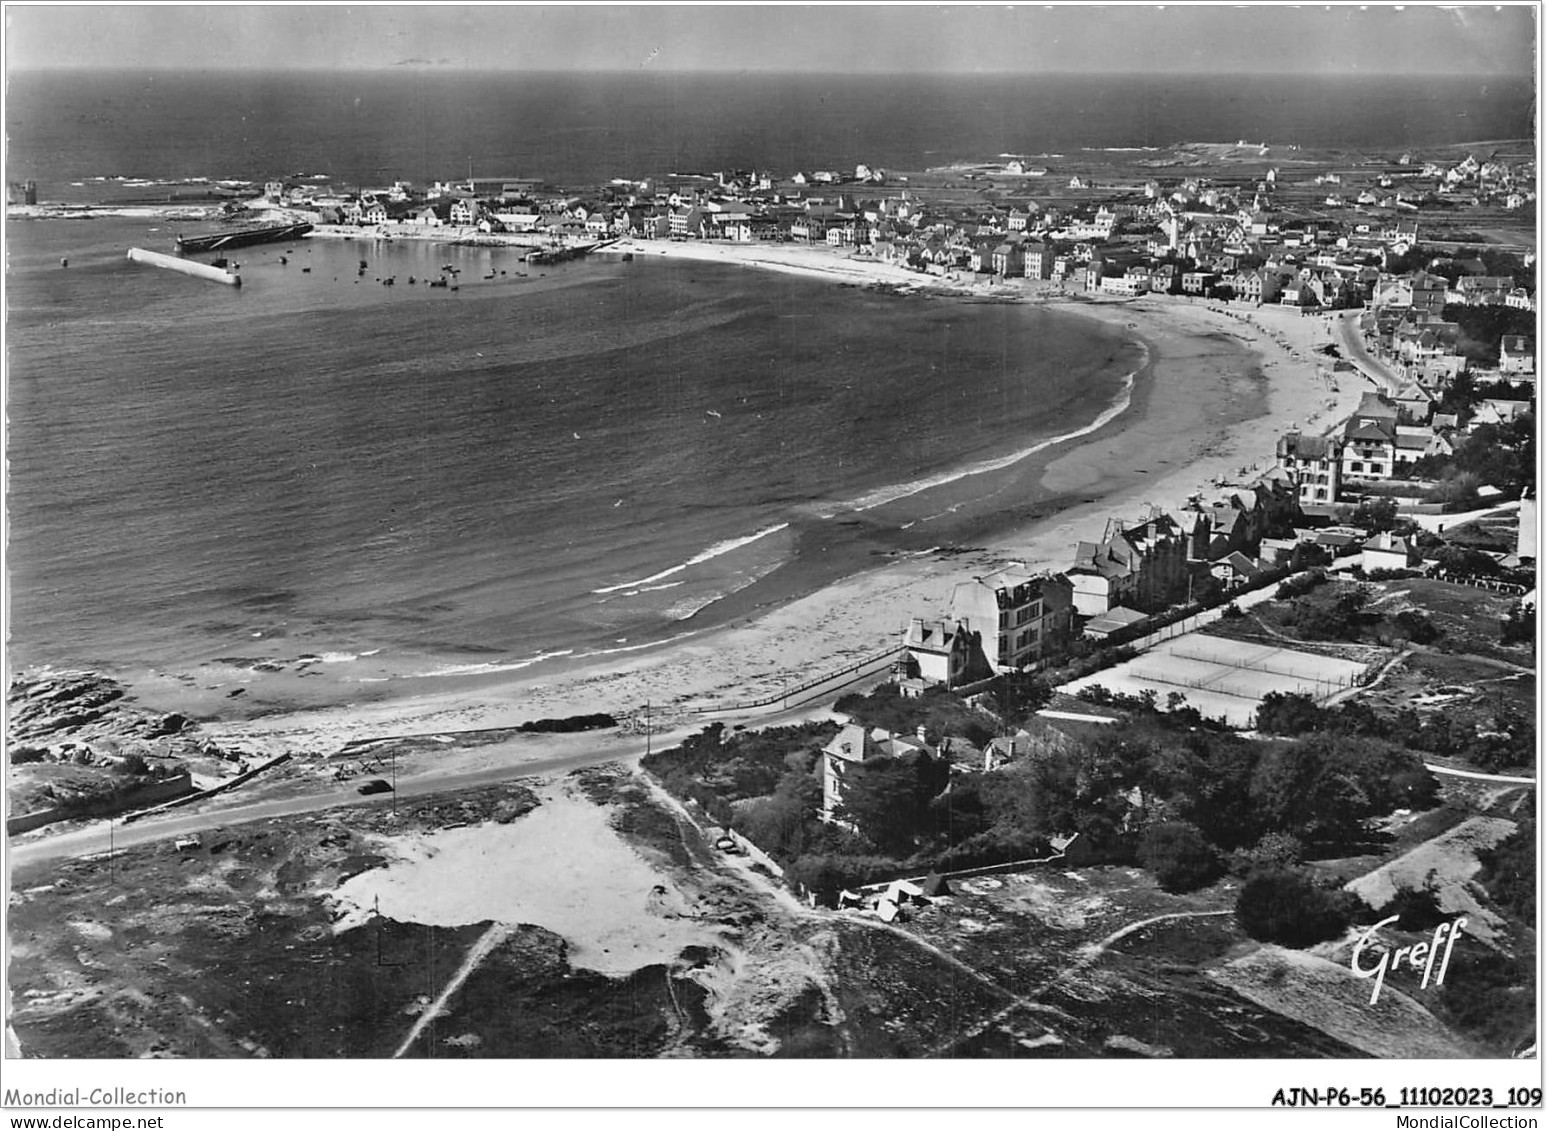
[586,456]
[369,127]
[583,459]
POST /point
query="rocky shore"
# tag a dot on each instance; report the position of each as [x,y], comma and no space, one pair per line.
[78,738]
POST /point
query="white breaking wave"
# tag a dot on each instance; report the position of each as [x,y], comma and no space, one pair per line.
[884,495]
[651,588]
[712,552]
[636,647]
[489,668]
[690,607]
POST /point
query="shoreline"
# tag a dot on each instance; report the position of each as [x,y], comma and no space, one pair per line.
[1195,351]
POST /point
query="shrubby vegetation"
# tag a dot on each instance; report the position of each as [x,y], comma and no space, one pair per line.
[1500,455]
[1333,613]
[1182,798]
[1491,997]
[1509,872]
[1273,851]
[717,769]
[1483,327]
[569,724]
[1520,626]
[1300,585]
[1288,907]
[1178,856]
[938,711]
[1511,742]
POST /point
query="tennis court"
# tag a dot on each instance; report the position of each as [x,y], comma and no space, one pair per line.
[1225,678]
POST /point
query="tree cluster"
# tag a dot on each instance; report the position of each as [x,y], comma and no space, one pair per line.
[940,712]
[1519,627]
[1288,907]
[1482,327]
[1185,799]
[1509,742]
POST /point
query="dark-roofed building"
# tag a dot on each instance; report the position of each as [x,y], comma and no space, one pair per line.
[1143,566]
[938,652]
[1236,569]
[1018,618]
[1387,551]
[1114,620]
[1370,439]
[1316,464]
[844,758]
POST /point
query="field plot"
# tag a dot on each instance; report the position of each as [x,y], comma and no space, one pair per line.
[1225,678]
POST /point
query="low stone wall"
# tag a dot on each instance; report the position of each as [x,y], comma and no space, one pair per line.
[164,790]
[193,795]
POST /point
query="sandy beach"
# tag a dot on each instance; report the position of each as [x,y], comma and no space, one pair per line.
[1170,443]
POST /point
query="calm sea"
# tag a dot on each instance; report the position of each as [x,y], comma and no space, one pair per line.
[371,126]
[534,462]
[585,458]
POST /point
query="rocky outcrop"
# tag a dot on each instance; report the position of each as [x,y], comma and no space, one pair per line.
[86,719]
[47,707]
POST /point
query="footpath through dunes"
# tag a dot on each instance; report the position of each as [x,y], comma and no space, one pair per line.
[1180,436]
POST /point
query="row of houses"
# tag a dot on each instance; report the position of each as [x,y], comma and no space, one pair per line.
[1014,619]
[1219,241]
[1417,341]
[1381,438]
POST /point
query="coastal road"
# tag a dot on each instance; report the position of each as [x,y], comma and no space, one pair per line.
[1377,371]
[94,839]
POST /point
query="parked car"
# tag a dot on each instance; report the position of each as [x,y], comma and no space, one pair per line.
[376,785]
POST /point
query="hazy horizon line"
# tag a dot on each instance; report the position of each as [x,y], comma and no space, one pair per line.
[454,68]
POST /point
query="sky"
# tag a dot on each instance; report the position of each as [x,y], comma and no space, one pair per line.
[1141,39]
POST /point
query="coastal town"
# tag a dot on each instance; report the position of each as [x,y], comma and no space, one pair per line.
[1195,747]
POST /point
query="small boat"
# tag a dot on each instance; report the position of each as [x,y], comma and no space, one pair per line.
[438,282]
[389,280]
[306,270]
[283,261]
[411,280]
